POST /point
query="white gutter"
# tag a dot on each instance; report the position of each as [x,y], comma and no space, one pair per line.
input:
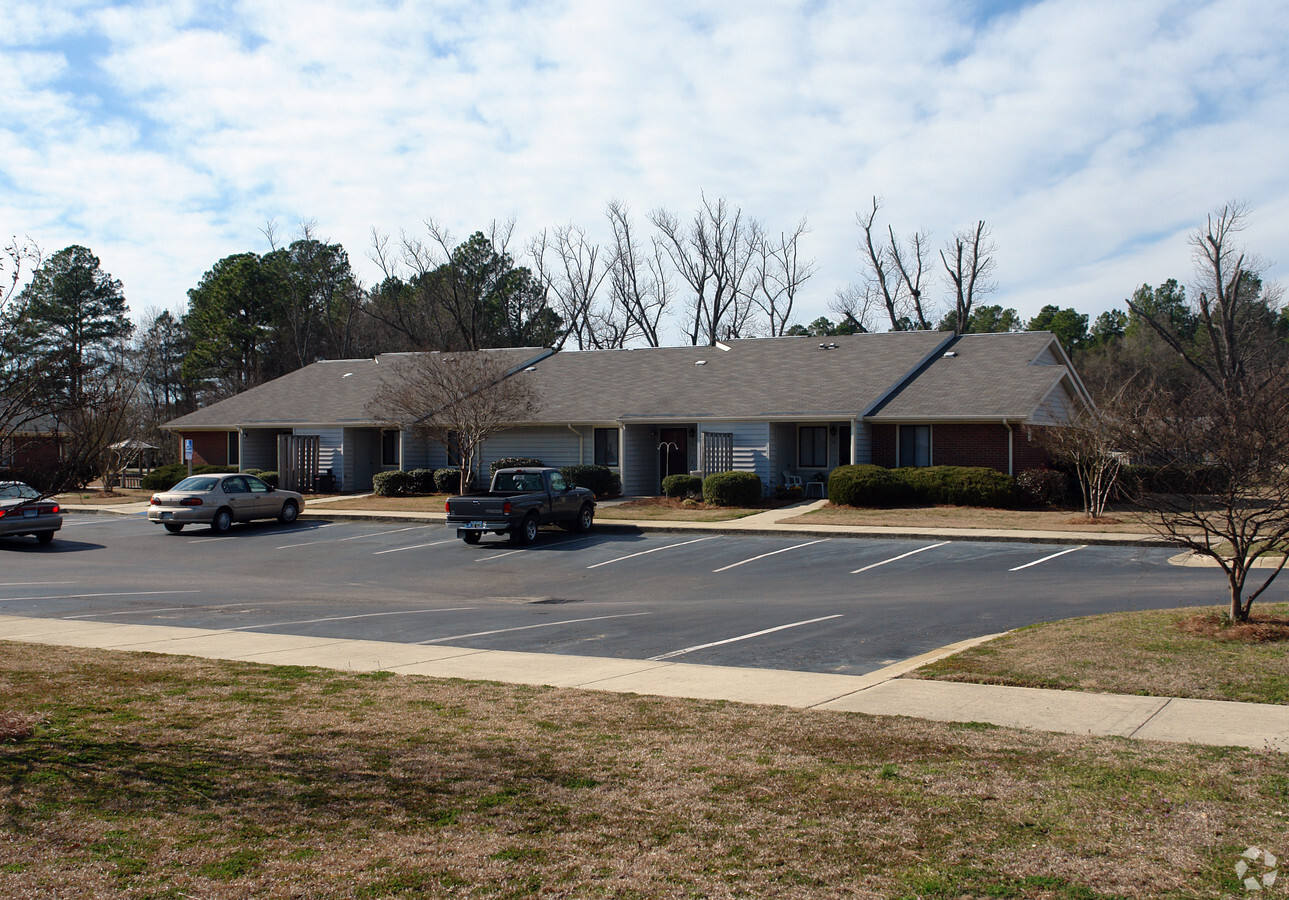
[581,444]
[1010,435]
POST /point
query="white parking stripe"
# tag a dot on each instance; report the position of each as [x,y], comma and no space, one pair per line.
[741,637]
[1046,558]
[415,547]
[87,596]
[654,550]
[458,637]
[351,538]
[525,549]
[901,556]
[764,555]
[32,583]
[377,615]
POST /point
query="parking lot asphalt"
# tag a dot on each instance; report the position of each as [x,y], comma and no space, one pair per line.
[748,614]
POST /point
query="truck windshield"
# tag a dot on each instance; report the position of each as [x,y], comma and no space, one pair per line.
[518,481]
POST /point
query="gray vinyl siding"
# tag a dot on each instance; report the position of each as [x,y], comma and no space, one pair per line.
[751,448]
[346,470]
[1057,409]
[259,449]
[416,454]
[553,445]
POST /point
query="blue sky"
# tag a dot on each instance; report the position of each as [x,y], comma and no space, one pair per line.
[1092,136]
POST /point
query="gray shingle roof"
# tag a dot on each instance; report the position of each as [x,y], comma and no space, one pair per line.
[330,392]
[991,376]
[772,377]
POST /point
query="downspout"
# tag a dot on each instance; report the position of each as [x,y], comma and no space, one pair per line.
[581,444]
[1010,435]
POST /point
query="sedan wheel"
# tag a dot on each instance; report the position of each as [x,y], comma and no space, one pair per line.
[222,522]
[289,511]
[44,537]
[174,527]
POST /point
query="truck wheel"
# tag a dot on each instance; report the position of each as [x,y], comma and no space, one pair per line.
[585,520]
[472,537]
[527,532]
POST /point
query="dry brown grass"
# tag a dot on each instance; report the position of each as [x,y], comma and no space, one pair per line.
[426,503]
[1170,653]
[156,776]
[677,510]
[95,496]
[1120,520]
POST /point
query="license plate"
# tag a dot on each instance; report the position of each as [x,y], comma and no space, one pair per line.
[166,515]
[476,526]
[30,513]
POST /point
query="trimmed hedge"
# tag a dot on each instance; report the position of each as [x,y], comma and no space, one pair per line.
[512,462]
[868,485]
[732,489]
[875,486]
[163,478]
[682,485]
[422,481]
[447,480]
[392,484]
[270,478]
[601,480]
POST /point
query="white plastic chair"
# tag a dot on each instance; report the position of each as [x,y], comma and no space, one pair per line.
[791,481]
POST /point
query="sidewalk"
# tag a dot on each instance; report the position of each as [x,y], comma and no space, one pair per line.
[1215,723]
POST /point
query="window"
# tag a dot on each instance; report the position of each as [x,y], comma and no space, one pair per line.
[812,446]
[915,445]
[606,446]
[234,446]
[557,482]
[389,448]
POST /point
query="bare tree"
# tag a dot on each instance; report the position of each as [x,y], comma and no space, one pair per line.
[21,380]
[969,266]
[1223,487]
[713,255]
[570,267]
[1234,350]
[1090,445]
[893,274]
[638,282]
[457,400]
[778,274]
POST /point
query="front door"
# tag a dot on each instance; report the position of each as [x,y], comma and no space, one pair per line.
[673,453]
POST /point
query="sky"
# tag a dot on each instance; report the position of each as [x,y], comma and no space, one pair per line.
[1091,135]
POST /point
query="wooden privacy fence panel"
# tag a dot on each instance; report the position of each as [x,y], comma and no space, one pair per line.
[297,461]
[718,452]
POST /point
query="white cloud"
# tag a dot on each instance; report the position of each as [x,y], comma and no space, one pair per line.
[1091,135]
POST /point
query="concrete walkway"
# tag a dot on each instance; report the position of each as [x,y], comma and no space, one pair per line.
[1218,723]
[1258,726]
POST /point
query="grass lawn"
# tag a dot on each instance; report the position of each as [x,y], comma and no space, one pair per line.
[1156,653]
[671,510]
[1116,520]
[150,776]
[96,497]
[428,503]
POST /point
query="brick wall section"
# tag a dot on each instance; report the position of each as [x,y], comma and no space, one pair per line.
[209,448]
[38,453]
[967,445]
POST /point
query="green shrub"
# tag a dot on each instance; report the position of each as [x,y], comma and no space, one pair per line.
[256,472]
[271,478]
[682,485]
[962,486]
[163,478]
[447,480]
[513,462]
[732,489]
[422,481]
[868,485]
[1044,487]
[601,480]
[395,483]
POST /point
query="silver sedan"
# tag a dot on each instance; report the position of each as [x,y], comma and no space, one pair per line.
[23,511]
[221,500]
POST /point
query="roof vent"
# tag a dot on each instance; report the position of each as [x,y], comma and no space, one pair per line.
[832,346]
[724,347]
[700,362]
[531,369]
[950,354]
[346,375]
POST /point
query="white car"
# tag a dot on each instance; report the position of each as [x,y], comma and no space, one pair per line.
[221,500]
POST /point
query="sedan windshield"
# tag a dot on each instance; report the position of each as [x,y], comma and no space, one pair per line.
[196,484]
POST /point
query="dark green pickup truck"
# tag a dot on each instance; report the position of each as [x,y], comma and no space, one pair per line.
[519,502]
